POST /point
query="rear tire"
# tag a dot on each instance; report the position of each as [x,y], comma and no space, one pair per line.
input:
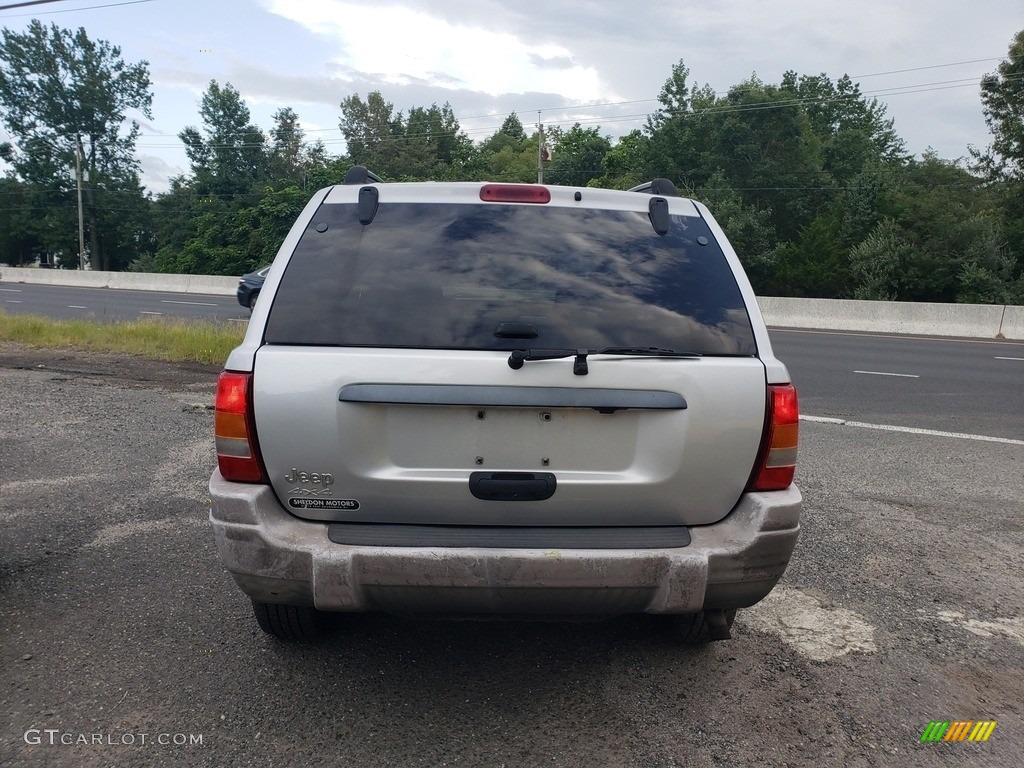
[289,622]
[252,300]
[699,628]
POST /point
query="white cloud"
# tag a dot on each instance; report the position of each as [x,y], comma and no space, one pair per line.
[570,59]
[402,46]
[156,174]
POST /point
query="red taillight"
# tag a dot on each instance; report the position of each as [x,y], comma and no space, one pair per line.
[235,431]
[514,193]
[776,461]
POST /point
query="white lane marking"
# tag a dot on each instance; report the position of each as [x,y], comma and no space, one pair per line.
[1008,627]
[13,301]
[190,303]
[911,430]
[950,339]
[238,320]
[881,373]
[813,630]
[76,306]
[1010,358]
[144,312]
[11,290]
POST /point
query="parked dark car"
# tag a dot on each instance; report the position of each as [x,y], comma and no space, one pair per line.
[249,286]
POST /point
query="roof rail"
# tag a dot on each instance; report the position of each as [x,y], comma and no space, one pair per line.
[657,187]
[359,174]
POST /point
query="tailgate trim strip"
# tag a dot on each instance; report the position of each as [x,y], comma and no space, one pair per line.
[509,537]
[604,400]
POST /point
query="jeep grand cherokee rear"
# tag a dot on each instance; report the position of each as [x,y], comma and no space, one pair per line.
[466,398]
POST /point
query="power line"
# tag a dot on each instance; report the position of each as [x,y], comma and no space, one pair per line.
[610,118]
[718,108]
[31,2]
[65,10]
[919,69]
[890,90]
[602,119]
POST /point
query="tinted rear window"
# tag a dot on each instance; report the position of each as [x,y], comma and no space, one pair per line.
[446,276]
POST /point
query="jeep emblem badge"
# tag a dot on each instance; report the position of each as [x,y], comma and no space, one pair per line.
[315,478]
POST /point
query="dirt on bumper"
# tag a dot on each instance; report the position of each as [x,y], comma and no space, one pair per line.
[275,557]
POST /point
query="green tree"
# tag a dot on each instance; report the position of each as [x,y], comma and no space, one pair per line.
[626,164]
[264,226]
[987,267]
[64,96]
[508,154]
[176,217]
[938,204]
[853,130]
[767,148]
[511,135]
[196,222]
[878,265]
[814,264]
[287,151]
[372,131]
[1002,98]
[229,156]
[683,132]
[748,228]
[434,135]
[757,136]
[512,164]
[577,156]
[428,144]
[865,200]
[22,211]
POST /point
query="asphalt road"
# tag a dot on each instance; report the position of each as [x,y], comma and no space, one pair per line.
[124,643]
[107,304]
[956,385]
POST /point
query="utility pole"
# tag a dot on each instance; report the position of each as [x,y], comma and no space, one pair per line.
[540,150]
[81,226]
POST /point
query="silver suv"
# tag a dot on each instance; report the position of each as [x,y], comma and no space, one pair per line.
[479,399]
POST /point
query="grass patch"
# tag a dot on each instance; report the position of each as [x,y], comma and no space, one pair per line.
[174,340]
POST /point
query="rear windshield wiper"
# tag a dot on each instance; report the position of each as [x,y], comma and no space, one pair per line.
[579,366]
[644,352]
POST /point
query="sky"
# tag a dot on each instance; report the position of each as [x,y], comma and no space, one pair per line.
[597,62]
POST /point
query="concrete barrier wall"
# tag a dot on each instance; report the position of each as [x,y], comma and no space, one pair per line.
[137,281]
[968,320]
[1013,323]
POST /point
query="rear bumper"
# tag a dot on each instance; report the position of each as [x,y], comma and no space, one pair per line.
[277,558]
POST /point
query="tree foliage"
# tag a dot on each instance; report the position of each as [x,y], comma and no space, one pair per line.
[807,176]
[1002,98]
[427,144]
[64,97]
[577,158]
[229,155]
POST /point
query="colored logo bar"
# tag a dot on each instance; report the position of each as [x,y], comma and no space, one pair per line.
[959,730]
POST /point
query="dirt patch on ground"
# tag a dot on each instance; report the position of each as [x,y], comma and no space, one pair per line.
[120,369]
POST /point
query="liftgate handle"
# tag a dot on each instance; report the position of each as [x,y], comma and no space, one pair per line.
[512,486]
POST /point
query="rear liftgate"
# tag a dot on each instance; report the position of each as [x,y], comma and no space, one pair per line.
[506,486]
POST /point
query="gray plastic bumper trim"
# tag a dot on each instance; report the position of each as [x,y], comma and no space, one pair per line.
[508,537]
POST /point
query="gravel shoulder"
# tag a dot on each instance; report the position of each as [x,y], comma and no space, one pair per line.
[904,604]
